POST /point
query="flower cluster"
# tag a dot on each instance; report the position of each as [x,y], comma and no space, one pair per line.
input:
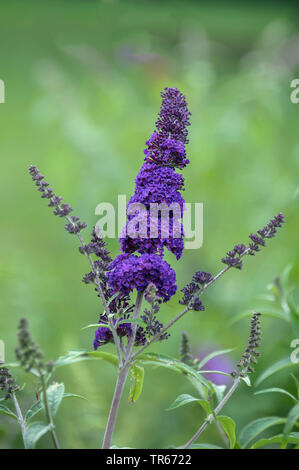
[129,272]
[202,277]
[7,383]
[191,291]
[157,183]
[251,353]
[152,325]
[74,225]
[233,258]
[103,334]
[185,350]
[167,144]
[97,246]
[28,352]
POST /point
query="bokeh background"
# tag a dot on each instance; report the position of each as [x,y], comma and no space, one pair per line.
[82,92]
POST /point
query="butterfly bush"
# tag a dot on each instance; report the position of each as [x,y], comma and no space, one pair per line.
[140,273]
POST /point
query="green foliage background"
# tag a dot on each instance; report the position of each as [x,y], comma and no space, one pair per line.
[82,92]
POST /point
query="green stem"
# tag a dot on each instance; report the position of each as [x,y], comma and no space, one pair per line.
[20,416]
[213,415]
[48,414]
[121,379]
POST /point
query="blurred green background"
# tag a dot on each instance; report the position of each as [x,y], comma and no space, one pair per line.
[82,92]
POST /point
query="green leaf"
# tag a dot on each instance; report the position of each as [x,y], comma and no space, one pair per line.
[296,383]
[173,364]
[73,395]
[137,377]
[204,446]
[292,418]
[277,367]
[219,391]
[36,408]
[276,390]
[211,355]
[292,438]
[39,405]
[55,394]
[105,356]
[220,372]
[78,356]
[229,427]
[257,426]
[96,325]
[71,357]
[285,277]
[116,447]
[199,387]
[206,406]
[34,432]
[6,411]
[182,400]
[246,379]
[10,365]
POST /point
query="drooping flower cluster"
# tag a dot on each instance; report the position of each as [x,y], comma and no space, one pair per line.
[233,258]
[8,384]
[157,188]
[249,358]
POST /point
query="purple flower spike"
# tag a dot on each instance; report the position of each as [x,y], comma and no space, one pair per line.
[157,188]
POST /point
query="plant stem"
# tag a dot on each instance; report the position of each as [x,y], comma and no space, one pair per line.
[48,414]
[20,416]
[121,379]
[213,415]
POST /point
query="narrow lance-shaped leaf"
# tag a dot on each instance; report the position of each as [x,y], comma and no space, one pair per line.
[292,438]
[173,364]
[296,383]
[292,418]
[96,325]
[211,356]
[182,400]
[256,427]
[277,390]
[137,378]
[6,411]
[277,367]
[78,356]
